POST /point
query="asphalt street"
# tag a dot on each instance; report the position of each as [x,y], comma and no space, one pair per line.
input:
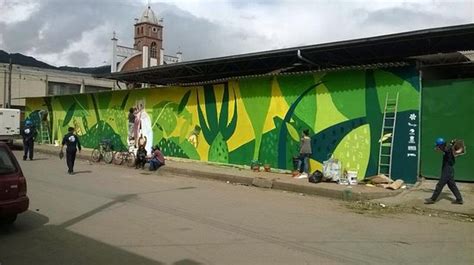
[107,214]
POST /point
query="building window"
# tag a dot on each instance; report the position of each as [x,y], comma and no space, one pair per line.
[89,89]
[155,29]
[57,88]
[153,50]
[138,30]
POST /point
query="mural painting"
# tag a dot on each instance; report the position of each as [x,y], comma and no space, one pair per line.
[240,121]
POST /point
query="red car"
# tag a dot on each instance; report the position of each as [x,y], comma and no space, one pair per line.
[13,199]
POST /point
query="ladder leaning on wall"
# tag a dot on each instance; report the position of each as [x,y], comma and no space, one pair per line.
[44,133]
[388,135]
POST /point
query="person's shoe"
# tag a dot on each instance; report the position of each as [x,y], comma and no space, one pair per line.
[458,202]
[24,158]
[31,159]
[429,201]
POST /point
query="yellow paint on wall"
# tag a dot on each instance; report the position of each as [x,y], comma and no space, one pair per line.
[243,132]
[278,107]
[326,113]
[315,165]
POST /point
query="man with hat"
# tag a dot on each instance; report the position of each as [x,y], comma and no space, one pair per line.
[447,173]
[29,135]
[72,143]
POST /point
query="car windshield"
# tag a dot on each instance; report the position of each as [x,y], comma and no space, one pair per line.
[7,165]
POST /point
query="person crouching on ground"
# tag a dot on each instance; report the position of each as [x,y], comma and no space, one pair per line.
[447,173]
[72,143]
[157,159]
[141,157]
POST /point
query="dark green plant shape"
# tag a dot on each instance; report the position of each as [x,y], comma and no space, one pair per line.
[284,129]
[99,131]
[374,117]
[102,129]
[216,131]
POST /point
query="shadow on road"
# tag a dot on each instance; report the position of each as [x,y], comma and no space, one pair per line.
[32,241]
[82,172]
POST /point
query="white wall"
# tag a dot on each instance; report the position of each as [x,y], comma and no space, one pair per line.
[31,82]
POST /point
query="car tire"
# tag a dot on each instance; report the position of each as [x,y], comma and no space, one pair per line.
[10,219]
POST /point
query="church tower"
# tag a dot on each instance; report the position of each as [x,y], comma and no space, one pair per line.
[149,38]
[147,49]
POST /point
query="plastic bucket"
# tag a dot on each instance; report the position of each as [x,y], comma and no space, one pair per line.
[352,177]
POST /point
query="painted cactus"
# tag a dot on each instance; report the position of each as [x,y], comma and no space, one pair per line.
[217,130]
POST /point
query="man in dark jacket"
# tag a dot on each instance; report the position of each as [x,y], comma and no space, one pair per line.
[447,173]
[72,143]
[29,136]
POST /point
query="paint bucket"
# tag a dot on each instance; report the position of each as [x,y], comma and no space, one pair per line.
[352,177]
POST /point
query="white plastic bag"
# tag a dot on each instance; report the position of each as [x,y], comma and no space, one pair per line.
[332,169]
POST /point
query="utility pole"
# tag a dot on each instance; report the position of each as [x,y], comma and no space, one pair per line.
[10,68]
[4,103]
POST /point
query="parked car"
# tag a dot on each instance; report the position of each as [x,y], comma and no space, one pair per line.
[13,199]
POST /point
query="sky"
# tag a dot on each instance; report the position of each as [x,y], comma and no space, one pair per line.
[78,32]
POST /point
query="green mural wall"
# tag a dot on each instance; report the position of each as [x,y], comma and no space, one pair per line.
[447,107]
[253,119]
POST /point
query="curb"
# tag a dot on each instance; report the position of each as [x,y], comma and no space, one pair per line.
[275,184]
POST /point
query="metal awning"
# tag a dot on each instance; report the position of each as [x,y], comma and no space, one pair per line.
[400,48]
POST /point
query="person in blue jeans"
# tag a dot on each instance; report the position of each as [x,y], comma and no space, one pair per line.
[157,159]
[305,152]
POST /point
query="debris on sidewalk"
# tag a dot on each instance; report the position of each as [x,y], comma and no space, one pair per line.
[379,179]
[396,185]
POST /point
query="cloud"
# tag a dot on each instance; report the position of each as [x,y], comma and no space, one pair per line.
[410,17]
[78,58]
[78,32]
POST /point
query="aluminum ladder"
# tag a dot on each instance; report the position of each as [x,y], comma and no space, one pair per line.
[44,132]
[388,135]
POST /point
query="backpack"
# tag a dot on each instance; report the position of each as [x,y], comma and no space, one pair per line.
[316,177]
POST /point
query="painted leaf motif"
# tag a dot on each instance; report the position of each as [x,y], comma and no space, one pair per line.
[293,132]
[69,114]
[184,102]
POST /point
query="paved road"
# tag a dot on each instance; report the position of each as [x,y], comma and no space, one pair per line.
[115,215]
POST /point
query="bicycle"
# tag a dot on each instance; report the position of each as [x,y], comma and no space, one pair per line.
[103,151]
[127,156]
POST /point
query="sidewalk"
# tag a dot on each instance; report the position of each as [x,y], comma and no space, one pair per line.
[245,176]
[416,196]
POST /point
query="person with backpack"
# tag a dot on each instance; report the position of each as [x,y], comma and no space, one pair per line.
[447,172]
[71,140]
[29,136]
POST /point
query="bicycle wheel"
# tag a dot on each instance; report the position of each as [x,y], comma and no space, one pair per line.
[130,159]
[108,157]
[118,158]
[95,157]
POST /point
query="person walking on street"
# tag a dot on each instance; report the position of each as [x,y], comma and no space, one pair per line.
[447,173]
[29,136]
[305,152]
[72,143]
